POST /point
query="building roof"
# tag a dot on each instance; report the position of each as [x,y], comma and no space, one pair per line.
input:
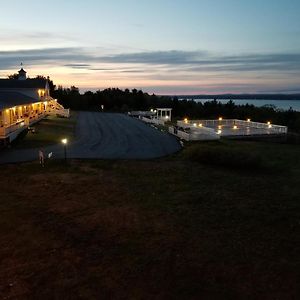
[22,71]
[22,84]
[11,99]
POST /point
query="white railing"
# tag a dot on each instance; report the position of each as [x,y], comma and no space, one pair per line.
[179,133]
[5,131]
[54,108]
[153,121]
[195,134]
[59,112]
[235,127]
[32,117]
[2,132]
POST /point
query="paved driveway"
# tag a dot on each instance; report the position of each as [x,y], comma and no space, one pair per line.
[107,136]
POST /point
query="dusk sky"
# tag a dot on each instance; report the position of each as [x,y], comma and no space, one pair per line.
[162,47]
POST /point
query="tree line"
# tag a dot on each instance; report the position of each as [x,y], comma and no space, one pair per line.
[117,100]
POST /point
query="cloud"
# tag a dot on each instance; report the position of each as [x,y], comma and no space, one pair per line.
[173,69]
[78,66]
[203,61]
[188,61]
[9,59]
[9,36]
[157,57]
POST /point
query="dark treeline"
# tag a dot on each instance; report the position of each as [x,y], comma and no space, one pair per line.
[116,100]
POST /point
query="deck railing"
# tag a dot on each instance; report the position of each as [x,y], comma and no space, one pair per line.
[153,121]
[5,131]
[194,134]
[241,127]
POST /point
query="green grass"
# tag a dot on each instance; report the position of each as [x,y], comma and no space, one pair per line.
[48,131]
[172,228]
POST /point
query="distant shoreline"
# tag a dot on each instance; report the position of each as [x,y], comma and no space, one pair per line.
[241,97]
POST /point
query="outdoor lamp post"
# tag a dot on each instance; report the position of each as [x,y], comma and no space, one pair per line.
[65,142]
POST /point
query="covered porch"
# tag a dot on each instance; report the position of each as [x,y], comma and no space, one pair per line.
[14,120]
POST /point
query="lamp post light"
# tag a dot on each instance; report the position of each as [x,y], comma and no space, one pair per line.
[65,142]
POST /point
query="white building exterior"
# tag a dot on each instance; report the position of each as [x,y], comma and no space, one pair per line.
[23,102]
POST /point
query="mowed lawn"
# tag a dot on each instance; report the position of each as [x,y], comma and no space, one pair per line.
[48,131]
[189,226]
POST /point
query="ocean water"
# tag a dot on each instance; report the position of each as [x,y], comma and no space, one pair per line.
[280,104]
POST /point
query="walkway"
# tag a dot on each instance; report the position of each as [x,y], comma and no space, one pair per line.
[106,136]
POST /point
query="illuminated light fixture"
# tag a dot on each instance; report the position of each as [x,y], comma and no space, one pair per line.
[269,123]
[155,110]
[269,126]
[220,127]
[185,120]
[200,125]
[195,124]
[151,109]
[167,117]
[219,131]
[235,127]
[220,119]
[248,120]
[22,124]
[7,110]
[64,142]
[45,103]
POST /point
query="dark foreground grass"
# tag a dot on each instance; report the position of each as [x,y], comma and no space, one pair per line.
[172,228]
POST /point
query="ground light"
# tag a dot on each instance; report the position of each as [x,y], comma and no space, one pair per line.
[220,119]
[65,142]
[248,120]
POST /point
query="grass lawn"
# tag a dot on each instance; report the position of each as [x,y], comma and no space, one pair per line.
[191,226]
[48,131]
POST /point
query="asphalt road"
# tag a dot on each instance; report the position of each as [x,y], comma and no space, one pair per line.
[106,136]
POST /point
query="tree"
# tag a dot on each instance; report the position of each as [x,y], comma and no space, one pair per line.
[13,76]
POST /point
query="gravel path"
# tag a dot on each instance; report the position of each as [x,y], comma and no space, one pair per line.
[107,136]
